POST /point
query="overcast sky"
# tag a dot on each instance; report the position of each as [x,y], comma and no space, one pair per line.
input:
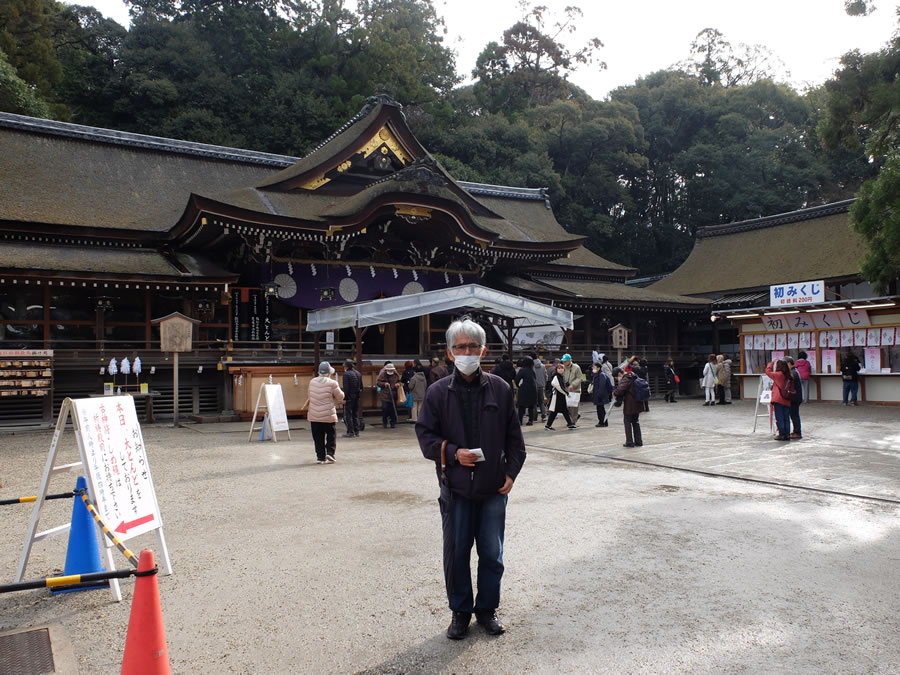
[643,36]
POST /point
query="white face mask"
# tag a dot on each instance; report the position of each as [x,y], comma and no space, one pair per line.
[467,364]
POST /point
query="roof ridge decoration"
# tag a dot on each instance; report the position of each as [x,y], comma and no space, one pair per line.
[488,190]
[143,141]
[776,220]
[424,170]
[371,103]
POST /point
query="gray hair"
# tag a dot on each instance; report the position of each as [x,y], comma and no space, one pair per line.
[465,326]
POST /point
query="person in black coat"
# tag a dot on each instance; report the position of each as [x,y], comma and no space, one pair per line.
[601,393]
[558,403]
[505,369]
[527,390]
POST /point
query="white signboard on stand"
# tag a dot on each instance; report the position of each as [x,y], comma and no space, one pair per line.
[114,462]
[119,474]
[271,401]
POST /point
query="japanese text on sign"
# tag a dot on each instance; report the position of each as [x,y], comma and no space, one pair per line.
[798,293]
[118,469]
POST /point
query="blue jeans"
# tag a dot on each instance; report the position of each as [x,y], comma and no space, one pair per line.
[795,418]
[782,419]
[466,522]
[851,388]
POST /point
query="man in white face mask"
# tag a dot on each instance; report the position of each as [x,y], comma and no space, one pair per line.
[469,426]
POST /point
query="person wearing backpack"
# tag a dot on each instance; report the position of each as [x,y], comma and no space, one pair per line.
[796,433]
[783,394]
[625,396]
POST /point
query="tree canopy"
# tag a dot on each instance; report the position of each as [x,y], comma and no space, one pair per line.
[713,139]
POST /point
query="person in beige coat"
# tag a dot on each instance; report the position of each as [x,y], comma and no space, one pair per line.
[417,386]
[325,395]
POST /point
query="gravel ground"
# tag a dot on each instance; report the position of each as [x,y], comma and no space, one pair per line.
[285,566]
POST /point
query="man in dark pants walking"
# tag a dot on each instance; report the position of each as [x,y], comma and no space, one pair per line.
[352,393]
[468,425]
[631,407]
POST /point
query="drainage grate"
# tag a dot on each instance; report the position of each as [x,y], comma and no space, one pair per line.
[26,653]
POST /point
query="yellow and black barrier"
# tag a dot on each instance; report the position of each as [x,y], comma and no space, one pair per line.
[25,500]
[132,558]
[75,580]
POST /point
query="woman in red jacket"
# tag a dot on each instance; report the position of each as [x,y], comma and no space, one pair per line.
[780,375]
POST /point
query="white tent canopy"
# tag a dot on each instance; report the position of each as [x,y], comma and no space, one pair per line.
[523,312]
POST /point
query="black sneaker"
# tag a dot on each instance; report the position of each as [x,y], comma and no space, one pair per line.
[571,426]
[459,625]
[488,619]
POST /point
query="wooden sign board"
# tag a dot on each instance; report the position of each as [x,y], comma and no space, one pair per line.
[175,335]
[619,334]
[114,461]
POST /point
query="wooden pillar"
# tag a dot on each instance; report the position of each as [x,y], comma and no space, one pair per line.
[100,329]
[357,332]
[148,316]
[46,317]
[588,329]
[632,324]
[509,337]
[316,349]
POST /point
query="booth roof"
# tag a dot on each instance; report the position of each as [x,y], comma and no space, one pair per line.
[816,243]
[524,312]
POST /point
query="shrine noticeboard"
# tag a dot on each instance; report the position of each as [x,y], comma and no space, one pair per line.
[275,407]
[117,465]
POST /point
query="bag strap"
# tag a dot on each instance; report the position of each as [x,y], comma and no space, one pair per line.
[444,462]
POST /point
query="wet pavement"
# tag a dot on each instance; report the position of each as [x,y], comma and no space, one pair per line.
[710,549]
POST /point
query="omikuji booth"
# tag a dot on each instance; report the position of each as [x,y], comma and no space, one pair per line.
[827,332]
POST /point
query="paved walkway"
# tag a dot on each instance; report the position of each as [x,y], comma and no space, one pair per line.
[844,449]
[285,566]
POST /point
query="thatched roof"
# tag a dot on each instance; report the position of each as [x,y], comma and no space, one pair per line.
[599,291]
[66,174]
[121,262]
[815,243]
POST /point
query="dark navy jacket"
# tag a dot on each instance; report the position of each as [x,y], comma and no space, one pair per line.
[441,418]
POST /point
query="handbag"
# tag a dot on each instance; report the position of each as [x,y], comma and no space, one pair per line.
[677,379]
[573,398]
[591,388]
[401,396]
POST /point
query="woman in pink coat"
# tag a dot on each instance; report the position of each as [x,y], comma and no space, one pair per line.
[321,412]
[803,367]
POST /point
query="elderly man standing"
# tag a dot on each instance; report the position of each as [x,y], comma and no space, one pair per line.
[573,379]
[469,428]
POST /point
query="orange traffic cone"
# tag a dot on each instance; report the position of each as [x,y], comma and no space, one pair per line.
[145,645]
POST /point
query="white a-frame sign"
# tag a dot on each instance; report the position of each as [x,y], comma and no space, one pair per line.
[114,460]
[275,418]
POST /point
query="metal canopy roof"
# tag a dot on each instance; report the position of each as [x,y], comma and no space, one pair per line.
[471,296]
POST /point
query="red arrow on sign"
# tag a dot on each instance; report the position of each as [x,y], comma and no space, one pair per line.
[124,527]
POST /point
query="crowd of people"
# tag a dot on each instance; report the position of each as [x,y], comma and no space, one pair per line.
[544,391]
